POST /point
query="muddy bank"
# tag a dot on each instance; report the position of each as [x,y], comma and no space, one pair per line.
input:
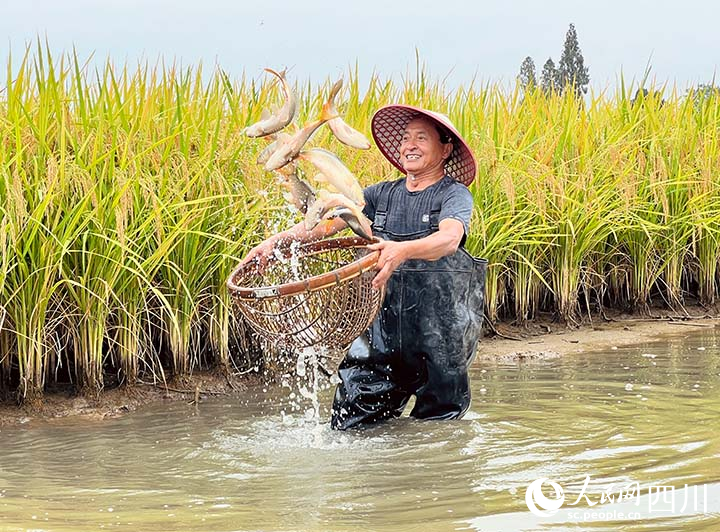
[63,401]
[542,339]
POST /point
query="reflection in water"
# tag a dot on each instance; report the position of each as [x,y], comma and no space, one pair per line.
[647,414]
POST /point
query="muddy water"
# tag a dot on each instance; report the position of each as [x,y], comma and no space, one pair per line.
[648,414]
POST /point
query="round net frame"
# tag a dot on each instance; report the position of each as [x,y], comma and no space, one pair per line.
[314,294]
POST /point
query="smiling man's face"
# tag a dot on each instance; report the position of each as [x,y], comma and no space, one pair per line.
[421,150]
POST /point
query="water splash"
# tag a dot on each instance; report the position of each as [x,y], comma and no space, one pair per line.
[305,387]
[295,260]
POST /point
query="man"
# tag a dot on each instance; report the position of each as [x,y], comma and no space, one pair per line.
[425,335]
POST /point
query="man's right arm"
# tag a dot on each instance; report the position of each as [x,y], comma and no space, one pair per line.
[296,233]
[323,230]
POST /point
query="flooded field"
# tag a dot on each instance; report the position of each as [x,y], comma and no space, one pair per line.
[620,424]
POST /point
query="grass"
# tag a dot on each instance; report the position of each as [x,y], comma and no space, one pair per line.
[127,195]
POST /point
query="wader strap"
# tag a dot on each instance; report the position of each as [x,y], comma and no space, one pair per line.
[382,206]
[435,210]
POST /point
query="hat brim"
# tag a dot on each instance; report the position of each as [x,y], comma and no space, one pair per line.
[388,127]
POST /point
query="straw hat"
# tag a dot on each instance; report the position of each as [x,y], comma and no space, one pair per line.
[388,127]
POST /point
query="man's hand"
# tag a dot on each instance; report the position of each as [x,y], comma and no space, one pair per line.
[392,255]
[443,242]
[260,253]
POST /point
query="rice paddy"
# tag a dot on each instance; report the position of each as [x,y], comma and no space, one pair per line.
[128,194]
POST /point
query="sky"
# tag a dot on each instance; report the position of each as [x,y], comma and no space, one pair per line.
[459,41]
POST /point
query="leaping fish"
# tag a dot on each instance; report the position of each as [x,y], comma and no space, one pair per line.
[347,135]
[360,226]
[326,201]
[334,172]
[343,132]
[279,138]
[280,119]
[288,150]
[302,196]
[300,193]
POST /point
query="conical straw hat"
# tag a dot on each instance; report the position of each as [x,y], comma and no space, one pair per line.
[388,127]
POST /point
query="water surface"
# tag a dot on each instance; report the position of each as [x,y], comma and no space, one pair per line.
[648,414]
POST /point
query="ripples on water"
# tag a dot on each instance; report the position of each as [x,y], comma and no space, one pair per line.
[648,414]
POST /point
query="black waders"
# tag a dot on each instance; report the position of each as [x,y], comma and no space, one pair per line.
[421,342]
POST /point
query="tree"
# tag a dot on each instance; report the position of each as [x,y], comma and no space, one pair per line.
[572,71]
[548,76]
[702,93]
[527,74]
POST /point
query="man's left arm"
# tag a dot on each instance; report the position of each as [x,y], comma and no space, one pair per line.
[445,241]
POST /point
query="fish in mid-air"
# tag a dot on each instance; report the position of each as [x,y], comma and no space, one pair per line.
[299,192]
[302,196]
[288,150]
[275,122]
[358,225]
[335,173]
[324,204]
[342,131]
[347,135]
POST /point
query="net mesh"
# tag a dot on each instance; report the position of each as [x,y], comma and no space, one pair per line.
[310,295]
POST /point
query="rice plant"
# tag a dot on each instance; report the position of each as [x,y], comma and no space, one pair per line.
[128,194]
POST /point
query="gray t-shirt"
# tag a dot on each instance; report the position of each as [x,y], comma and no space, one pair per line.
[409,212]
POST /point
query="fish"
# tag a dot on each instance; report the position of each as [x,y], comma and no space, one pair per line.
[335,173]
[324,204]
[300,193]
[360,226]
[275,122]
[288,150]
[347,135]
[342,131]
[278,138]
